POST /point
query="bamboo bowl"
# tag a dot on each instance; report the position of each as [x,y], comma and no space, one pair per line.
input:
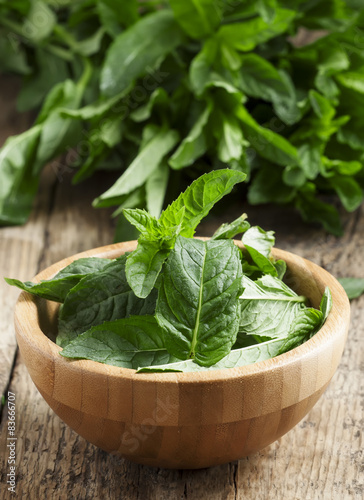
[184,420]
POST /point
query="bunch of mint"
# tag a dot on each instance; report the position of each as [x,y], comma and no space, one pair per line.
[157,89]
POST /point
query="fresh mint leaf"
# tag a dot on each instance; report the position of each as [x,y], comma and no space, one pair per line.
[260,240]
[268,308]
[199,198]
[158,98]
[235,359]
[314,210]
[229,136]
[258,244]
[354,287]
[194,145]
[124,13]
[58,287]
[259,78]
[226,231]
[303,326]
[349,191]
[267,9]
[245,36]
[142,46]
[144,265]
[144,165]
[156,188]
[268,144]
[203,75]
[39,11]
[58,131]
[19,184]
[146,224]
[133,342]
[230,79]
[325,305]
[197,302]
[281,268]
[198,18]
[102,296]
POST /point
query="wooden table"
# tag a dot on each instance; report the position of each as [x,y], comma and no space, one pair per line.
[321,458]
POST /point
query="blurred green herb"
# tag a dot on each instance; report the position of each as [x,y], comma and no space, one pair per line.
[354,287]
[155,87]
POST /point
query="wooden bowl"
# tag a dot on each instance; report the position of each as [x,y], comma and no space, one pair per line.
[184,420]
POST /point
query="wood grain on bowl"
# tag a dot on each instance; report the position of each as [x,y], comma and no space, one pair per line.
[184,420]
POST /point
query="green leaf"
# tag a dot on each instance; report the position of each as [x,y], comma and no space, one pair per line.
[267,143]
[325,305]
[294,176]
[260,79]
[58,287]
[158,98]
[267,187]
[156,188]
[124,13]
[236,358]
[12,58]
[247,35]
[352,80]
[200,197]
[133,342]
[354,287]
[227,231]
[267,9]
[144,265]
[281,268]
[260,240]
[138,50]
[258,244]
[146,223]
[321,106]
[18,181]
[203,75]
[194,145]
[58,132]
[198,18]
[268,307]
[197,302]
[147,161]
[310,160]
[102,296]
[305,324]
[314,210]
[39,23]
[48,70]
[348,190]
[90,45]
[229,136]
[97,109]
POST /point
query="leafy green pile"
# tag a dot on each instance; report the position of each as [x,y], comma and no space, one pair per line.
[182,304]
[152,87]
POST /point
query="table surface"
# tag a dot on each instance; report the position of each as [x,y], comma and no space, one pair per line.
[321,458]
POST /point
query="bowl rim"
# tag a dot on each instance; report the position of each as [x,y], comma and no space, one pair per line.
[31,332]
